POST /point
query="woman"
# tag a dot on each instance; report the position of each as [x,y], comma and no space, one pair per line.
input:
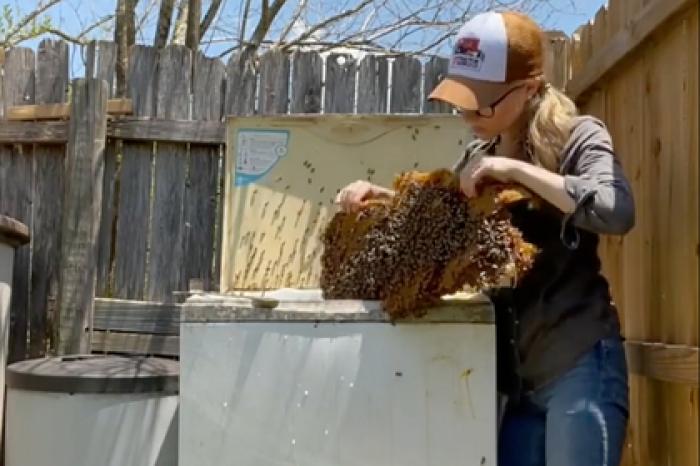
[560,356]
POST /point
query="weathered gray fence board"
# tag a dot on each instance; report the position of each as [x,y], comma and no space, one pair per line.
[164,270]
[340,84]
[16,192]
[195,132]
[200,205]
[51,72]
[117,342]
[274,83]
[405,85]
[137,316]
[81,215]
[133,211]
[107,220]
[373,85]
[100,60]
[435,70]
[47,206]
[30,132]
[307,82]
[241,81]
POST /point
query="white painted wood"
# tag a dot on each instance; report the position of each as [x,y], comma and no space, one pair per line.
[341,394]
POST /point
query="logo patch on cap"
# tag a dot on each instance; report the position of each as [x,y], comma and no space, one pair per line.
[468,54]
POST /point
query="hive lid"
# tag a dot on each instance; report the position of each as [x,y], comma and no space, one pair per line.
[308,306]
[13,232]
[95,374]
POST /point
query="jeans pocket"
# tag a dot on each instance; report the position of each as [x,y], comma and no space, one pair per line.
[613,371]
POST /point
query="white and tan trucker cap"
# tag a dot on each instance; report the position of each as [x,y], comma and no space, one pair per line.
[492,51]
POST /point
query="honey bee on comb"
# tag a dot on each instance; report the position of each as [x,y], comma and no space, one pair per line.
[426,241]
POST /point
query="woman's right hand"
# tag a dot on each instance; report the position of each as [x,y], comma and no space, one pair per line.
[354,195]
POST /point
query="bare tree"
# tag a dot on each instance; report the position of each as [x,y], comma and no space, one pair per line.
[165,16]
[124,37]
[27,27]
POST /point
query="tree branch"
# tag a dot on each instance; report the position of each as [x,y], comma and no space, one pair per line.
[209,17]
[28,18]
[266,18]
[194,13]
[165,16]
[345,14]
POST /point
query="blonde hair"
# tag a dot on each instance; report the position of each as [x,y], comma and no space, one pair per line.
[550,120]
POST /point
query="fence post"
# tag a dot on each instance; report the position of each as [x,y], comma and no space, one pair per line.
[82,199]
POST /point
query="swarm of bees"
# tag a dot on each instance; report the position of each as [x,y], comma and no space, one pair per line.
[427,241]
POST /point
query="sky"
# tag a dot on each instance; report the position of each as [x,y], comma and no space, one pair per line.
[71,16]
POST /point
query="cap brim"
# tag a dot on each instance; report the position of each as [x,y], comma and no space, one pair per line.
[468,94]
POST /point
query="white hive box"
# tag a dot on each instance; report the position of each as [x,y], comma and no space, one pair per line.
[335,383]
[282,174]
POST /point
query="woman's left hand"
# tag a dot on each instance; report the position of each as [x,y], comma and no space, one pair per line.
[498,168]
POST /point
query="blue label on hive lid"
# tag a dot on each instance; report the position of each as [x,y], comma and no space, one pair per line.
[257,152]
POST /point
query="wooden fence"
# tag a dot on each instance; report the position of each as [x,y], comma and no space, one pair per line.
[160,214]
[636,67]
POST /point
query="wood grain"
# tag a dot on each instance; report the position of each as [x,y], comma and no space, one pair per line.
[340,84]
[133,212]
[200,203]
[137,316]
[135,343]
[164,269]
[241,84]
[62,111]
[405,85]
[26,132]
[307,85]
[16,193]
[372,90]
[47,206]
[102,58]
[644,23]
[668,363]
[435,71]
[81,214]
[274,83]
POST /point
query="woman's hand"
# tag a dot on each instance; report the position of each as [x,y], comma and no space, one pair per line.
[351,197]
[497,168]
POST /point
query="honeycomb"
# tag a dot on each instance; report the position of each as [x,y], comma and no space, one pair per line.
[427,241]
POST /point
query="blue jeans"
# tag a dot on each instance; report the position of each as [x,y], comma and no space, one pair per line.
[579,419]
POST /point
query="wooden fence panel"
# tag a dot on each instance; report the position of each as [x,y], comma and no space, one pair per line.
[307,82]
[200,204]
[165,271]
[16,192]
[133,212]
[435,70]
[47,206]
[636,67]
[372,91]
[274,83]
[405,85]
[81,217]
[101,61]
[340,84]
[241,85]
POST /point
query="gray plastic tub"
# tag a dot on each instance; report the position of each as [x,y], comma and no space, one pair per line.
[92,410]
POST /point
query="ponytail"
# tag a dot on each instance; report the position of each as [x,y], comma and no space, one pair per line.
[551,115]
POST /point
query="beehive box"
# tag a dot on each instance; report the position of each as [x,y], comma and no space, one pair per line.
[283,173]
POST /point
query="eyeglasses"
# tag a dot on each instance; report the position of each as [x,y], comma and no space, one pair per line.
[490,111]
